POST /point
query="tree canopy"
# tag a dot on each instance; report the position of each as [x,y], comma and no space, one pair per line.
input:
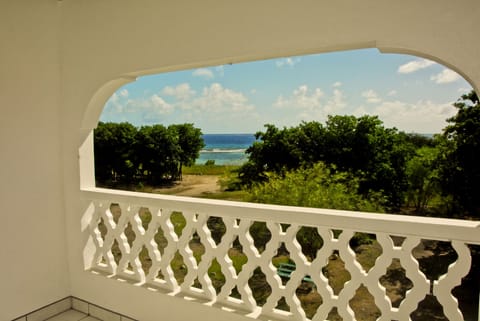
[361,146]
[460,170]
[114,152]
[153,154]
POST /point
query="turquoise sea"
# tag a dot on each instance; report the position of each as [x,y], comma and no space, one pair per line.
[225,149]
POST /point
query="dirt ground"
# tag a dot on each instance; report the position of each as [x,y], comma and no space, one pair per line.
[192,185]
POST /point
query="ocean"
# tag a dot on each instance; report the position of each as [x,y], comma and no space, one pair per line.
[225,149]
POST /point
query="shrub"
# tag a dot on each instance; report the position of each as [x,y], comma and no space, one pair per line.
[317,186]
[210,162]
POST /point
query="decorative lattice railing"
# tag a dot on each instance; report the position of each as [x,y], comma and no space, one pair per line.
[284,263]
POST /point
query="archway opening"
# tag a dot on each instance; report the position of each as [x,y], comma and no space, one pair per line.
[345,91]
[336,120]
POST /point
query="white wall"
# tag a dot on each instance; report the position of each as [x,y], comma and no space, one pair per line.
[33,255]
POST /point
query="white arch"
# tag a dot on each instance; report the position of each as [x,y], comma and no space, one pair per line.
[132,39]
[98,101]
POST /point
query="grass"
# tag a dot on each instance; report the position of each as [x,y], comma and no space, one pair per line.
[227,196]
[208,169]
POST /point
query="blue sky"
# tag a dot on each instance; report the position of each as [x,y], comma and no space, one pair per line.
[407,92]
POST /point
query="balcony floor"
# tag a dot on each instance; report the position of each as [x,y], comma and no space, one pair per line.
[73,309]
[72,315]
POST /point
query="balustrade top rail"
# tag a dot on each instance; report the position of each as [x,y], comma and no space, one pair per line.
[399,225]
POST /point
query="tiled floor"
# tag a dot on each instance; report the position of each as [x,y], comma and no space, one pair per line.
[73,309]
[73,315]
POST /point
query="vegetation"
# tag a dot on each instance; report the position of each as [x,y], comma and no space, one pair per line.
[459,170]
[423,177]
[316,186]
[208,169]
[360,146]
[395,171]
[151,154]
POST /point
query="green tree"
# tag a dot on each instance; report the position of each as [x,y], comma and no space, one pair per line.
[155,153]
[311,139]
[340,139]
[372,152]
[362,146]
[114,158]
[423,177]
[190,142]
[460,170]
[275,150]
[158,153]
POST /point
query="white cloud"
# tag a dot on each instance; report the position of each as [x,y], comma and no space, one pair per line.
[308,104]
[415,65]
[289,62]
[176,104]
[156,105]
[181,92]
[337,84]
[302,97]
[392,92]
[464,90]
[153,105]
[371,96]
[146,108]
[446,76]
[224,107]
[216,98]
[336,103]
[123,93]
[204,73]
[421,116]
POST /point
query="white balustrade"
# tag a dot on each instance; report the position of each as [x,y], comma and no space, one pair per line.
[145,247]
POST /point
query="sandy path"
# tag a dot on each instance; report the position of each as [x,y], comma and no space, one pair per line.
[193,185]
